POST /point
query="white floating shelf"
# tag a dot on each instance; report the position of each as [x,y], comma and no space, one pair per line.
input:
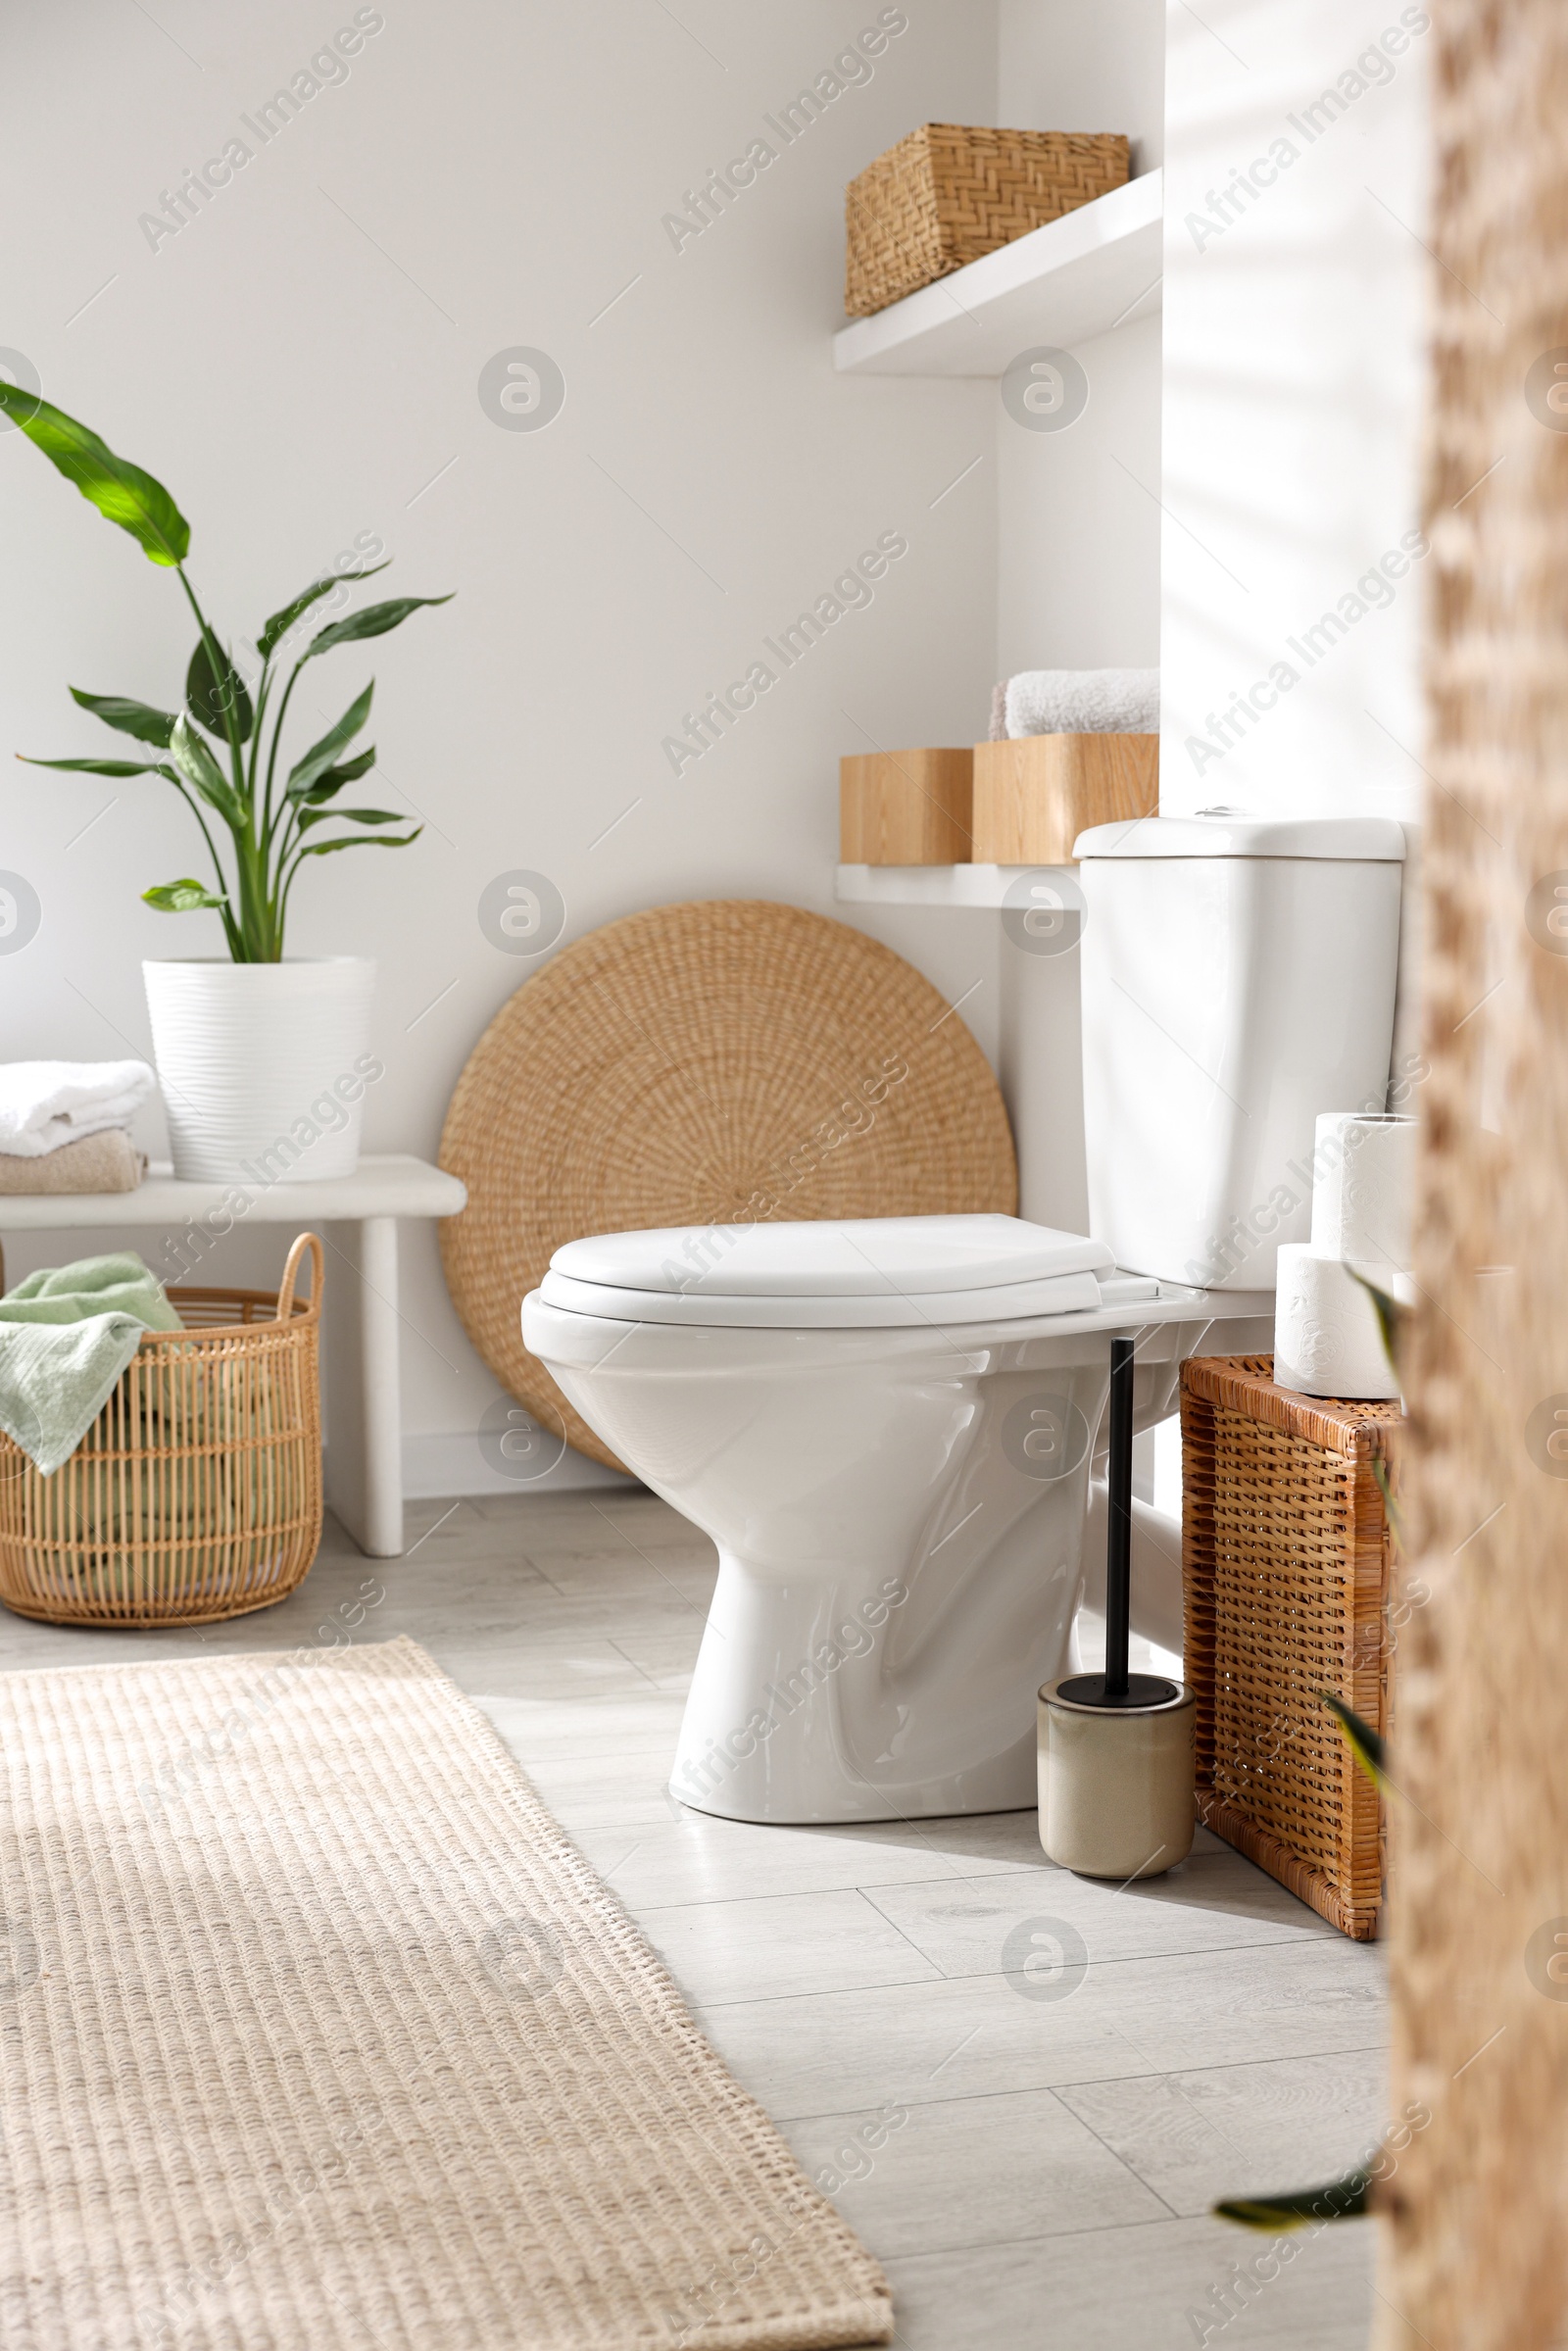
[931,885]
[1077,277]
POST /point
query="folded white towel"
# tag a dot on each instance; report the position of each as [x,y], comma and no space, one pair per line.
[45,1104]
[1084,702]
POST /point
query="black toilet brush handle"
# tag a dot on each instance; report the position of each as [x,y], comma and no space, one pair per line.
[1119,1519]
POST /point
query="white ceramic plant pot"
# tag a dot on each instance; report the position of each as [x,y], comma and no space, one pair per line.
[263,1066]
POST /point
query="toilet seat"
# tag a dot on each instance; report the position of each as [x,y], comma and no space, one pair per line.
[872,1273]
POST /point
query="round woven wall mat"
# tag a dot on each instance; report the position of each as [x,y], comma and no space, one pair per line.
[701,1064]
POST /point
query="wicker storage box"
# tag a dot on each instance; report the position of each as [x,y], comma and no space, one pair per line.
[1286,1555]
[197,1492]
[946,194]
[1034,794]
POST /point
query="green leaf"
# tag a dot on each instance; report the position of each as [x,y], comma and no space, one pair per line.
[318,758]
[1391,1508]
[333,779]
[121,491]
[373,621]
[278,626]
[100,767]
[137,718]
[202,772]
[1365,1744]
[1347,2198]
[211,699]
[310,816]
[1391,1316]
[180,897]
[321,849]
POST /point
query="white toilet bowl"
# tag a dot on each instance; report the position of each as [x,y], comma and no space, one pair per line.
[887,1429]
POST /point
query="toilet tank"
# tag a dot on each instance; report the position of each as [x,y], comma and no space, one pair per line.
[1237,977]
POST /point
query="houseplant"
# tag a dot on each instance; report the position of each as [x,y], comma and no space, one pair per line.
[257,1053]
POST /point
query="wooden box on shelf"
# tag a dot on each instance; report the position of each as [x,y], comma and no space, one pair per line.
[1035,795]
[905,808]
[950,192]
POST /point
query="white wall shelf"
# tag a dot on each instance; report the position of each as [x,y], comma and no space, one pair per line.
[1077,277]
[930,885]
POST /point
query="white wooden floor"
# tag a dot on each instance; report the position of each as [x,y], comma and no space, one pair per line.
[1034,2170]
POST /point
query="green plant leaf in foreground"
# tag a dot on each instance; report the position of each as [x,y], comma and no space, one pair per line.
[1391,1316]
[137,719]
[211,699]
[1365,1744]
[180,897]
[373,621]
[121,491]
[280,622]
[1347,2198]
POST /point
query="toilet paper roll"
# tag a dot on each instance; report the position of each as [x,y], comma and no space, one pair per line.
[1362,1187]
[1327,1341]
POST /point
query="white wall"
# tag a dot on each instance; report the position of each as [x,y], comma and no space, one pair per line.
[300,364]
[1079,511]
[1293,405]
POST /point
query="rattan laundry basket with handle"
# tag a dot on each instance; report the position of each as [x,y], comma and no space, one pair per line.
[197,1492]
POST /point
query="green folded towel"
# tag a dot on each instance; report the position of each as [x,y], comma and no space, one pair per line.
[66,1333]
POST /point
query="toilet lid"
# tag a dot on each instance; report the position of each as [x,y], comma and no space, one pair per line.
[896,1310]
[869,1273]
[869,1257]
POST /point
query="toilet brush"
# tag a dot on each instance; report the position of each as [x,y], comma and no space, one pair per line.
[1116,1758]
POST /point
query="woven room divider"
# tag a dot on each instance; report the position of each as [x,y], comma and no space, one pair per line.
[1474,2247]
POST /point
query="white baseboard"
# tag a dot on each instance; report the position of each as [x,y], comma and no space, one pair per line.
[450,1462]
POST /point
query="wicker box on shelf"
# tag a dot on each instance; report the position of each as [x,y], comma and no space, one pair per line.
[196,1494]
[1033,796]
[905,808]
[947,193]
[1286,1555]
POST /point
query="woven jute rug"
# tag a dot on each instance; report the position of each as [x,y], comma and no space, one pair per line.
[318,2034]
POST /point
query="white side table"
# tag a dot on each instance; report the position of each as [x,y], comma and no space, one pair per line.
[365,1466]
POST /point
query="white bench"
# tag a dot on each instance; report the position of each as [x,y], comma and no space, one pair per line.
[360,1215]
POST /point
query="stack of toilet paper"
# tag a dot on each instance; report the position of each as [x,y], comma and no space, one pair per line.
[1327,1339]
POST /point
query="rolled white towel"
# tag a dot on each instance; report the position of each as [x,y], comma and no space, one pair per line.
[45,1104]
[1084,702]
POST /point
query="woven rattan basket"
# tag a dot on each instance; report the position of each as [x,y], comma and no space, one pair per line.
[946,194]
[197,1492]
[1287,1552]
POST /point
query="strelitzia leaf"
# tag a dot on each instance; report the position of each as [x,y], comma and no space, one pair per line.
[137,718]
[100,767]
[1347,2198]
[373,621]
[121,491]
[1391,1508]
[333,779]
[211,699]
[1365,1744]
[323,849]
[181,898]
[310,816]
[318,758]
[196,763]
[278,626]
[1391,1316]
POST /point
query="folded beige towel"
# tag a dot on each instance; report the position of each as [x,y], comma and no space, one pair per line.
[107,1161]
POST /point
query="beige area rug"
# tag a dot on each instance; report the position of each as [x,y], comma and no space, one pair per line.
[318,2034]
